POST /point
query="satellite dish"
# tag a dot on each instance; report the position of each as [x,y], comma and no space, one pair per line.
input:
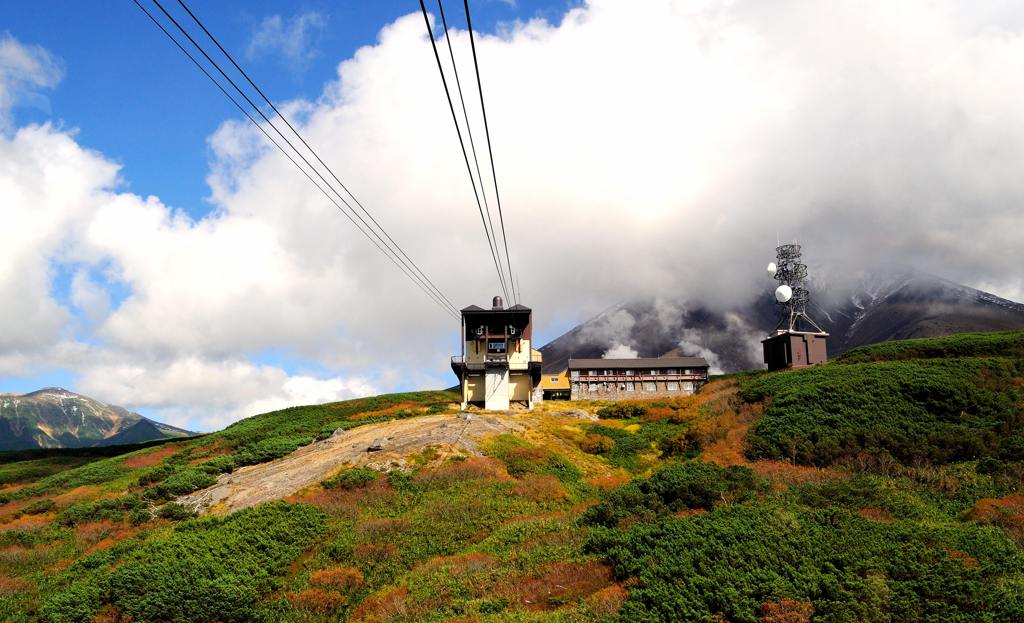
[783,293]
[772,269]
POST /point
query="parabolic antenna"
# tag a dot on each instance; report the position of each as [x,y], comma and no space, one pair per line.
[772,269]
[783,293]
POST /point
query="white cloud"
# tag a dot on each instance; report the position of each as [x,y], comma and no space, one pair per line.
[650,147]
[292,40]
[24,70]
[194,392]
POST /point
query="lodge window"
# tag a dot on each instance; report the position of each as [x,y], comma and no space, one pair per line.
[575,374]
[652,372]
[629,387]
[688,388]
[671,371]
[672,387]
[650,387]
[627,373]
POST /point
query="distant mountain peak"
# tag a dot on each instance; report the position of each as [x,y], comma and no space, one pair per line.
[55,417]
[875,307]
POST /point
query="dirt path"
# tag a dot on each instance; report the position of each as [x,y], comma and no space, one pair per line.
[311,464]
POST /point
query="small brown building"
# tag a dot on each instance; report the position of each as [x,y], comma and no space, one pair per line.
[795,349]
[623,379]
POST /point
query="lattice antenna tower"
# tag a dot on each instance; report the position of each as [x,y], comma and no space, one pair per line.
[792,294]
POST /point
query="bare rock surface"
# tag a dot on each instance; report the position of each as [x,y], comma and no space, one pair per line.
[396,440]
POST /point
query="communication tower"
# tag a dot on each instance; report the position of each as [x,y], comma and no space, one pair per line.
[797,340]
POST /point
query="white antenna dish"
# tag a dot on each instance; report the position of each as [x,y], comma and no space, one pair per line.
[772,269]
[783,293]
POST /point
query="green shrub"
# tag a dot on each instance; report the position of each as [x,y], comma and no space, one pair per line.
[727,563]
[214,569]
[675,488]
[270,449]
[175,512]
[113,509]
[185,481]
[352,478]
[623,410]
[1004,344]
[73,604]
[39,507]
[154,474]
[934,410]
[224,464]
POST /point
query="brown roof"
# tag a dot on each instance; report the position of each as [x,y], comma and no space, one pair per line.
[638,363]
[477,309]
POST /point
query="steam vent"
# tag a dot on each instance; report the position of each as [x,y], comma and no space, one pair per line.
[497,367]
[797,341]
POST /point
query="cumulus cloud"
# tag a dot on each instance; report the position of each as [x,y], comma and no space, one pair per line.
[292,40]
[24,71]
[643,148]
[193,392]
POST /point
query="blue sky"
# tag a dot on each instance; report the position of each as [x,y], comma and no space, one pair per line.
[139,101]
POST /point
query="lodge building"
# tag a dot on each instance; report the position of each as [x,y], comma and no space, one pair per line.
[497,367]
[621,379]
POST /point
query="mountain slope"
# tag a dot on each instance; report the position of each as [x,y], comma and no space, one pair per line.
[57,418]
[578,513]
[898,306]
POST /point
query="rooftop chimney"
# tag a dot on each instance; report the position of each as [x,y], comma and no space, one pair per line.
[497,303]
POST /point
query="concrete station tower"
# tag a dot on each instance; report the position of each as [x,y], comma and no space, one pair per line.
[498,367]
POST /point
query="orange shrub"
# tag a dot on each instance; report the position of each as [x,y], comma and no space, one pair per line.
[152,458]
[540,488]
[607,601]
[786,611]
[344,579]
[562,583]
[12,586]
[317,600]
[346,502]
[596,444]
[384,607]
[459,565]
[475,468]
[375,552]
[609,481]
[377,529]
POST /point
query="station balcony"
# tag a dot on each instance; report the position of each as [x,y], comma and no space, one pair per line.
[460,366]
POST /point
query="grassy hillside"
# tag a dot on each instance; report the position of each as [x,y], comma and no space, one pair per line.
[882,487]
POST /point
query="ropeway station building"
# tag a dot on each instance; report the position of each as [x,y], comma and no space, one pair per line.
[621,379]
[498,367]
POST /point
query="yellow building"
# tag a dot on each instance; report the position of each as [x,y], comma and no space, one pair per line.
[498,366]
[556,386]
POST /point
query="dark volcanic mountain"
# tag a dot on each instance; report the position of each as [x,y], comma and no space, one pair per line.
[904,305]
[56,418]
